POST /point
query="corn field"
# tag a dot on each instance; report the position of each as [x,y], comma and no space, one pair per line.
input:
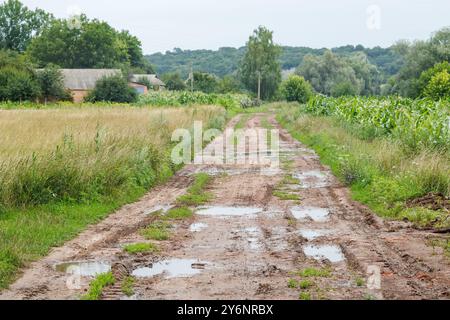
[416,123]
[182,98]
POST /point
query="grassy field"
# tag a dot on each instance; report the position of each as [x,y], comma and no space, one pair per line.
[385,171]
[62,169]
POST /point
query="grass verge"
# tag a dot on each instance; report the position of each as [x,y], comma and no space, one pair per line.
[97,285]
[381,172]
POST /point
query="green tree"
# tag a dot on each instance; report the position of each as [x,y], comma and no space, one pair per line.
[173,81]
[439,86]
[296,88]
[51,83]
[427,75]
[205,82]
[90,44]
[18,25]
[17,79]
[419,57]
[261,62]
[335,75]
[228,84]
[112,89]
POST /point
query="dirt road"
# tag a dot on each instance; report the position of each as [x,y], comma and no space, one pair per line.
[249,243]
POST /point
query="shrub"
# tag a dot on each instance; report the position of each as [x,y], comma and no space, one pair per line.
[296,88]
[429,74]
[112,89]
[17,85]
[439,86]
[51,84]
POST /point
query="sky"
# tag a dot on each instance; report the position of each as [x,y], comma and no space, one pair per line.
[162,25]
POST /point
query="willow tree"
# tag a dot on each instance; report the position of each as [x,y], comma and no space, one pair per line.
[260,70]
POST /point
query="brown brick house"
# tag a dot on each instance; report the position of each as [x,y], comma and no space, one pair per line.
[80,81]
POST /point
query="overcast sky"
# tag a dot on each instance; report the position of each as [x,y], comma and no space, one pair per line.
[209,24]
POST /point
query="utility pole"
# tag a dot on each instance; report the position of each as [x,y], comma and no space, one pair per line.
[259,86]
[191,75]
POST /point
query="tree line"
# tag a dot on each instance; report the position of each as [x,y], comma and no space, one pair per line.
[410,69]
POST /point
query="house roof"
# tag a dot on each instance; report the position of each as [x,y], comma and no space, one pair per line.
[153,78]
[85,79]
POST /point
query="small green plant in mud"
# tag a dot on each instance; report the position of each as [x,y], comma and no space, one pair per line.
[157,231]
[369,297]
[305,284]
[179,213]
[128,286]
[282,195]
[292,222]
[288,179]
[359,282]
[97,286]
[292,283]
[287,165]
[136,248]
[313,272]
[304,296]
[440,243]
[196,194]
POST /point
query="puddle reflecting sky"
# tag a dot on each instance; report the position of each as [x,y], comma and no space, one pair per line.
[173,268]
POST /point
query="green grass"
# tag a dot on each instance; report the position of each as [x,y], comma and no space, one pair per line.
[292,283]
[304,296]
[28,234]
[282,195]
[305,284]
[288,179]
[128,286]
[313,272]
[196,195]
[179,213]
[359,282]
[97,285]
[140,248]
[157,231]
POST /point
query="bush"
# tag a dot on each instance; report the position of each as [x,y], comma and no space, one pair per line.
[17,85]
[173,81]
[296,88]
[51,84]
[112,89]
[429,74]
[345,88]
[439,86]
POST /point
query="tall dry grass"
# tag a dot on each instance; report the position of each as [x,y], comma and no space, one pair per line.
[80,154]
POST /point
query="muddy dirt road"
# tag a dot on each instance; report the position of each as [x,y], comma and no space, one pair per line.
[249,243]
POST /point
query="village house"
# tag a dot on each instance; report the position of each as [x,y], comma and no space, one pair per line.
[156,83]
[80,81]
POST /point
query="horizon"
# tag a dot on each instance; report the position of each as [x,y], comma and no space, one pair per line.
[212,25]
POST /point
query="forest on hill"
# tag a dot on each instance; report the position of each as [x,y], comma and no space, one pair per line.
[225,60]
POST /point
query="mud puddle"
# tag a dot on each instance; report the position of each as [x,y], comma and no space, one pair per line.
[316,214]
[310,234]
[173,268]
[198,227]
[313,179]
[319,252]
[86,269]
[228,211]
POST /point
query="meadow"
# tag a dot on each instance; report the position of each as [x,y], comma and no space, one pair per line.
[64,168]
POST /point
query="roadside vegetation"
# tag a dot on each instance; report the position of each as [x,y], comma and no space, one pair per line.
[98,285]
[392,152]
[67,168]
